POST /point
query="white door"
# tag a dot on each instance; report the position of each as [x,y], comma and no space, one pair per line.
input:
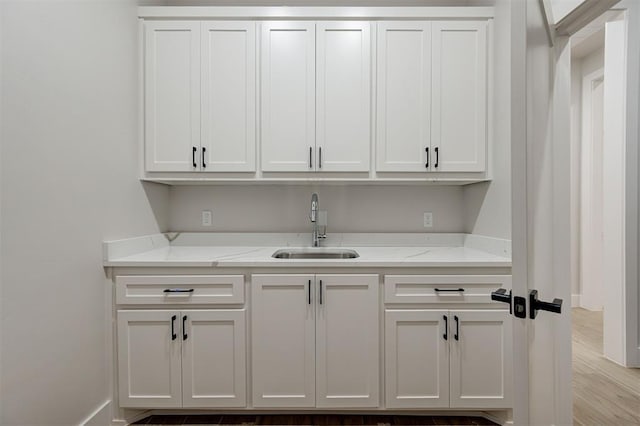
[213,358]
[404,97]
[228,96]
[288,96]
[459,106]
[343,94]
[149,359]
[347,341]
[416,358]
[172,95]
[283,341]
[480,359]
[540,155]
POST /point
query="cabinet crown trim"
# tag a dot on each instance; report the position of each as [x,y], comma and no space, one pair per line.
[247,12]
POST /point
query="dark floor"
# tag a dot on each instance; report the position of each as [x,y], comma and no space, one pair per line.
[311,420]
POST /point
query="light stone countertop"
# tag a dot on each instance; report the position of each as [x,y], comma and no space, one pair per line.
[255,250]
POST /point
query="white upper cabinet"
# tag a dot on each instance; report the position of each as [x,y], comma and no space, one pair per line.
[459,108]
[228,96]
[404,96]
[343,94]
[172,95]
[288,96]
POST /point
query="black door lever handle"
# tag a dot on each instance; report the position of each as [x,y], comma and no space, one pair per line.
[536,305]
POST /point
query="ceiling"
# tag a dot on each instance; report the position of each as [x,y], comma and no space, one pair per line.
[316,2]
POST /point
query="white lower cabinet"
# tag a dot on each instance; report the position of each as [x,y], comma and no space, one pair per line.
[173,359]
[443,358]
[315,341]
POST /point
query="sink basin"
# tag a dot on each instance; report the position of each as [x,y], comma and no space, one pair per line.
[318,253]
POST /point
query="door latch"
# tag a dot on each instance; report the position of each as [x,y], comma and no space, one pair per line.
[537,305]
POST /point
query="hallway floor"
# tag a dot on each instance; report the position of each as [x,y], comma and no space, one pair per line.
[604,393]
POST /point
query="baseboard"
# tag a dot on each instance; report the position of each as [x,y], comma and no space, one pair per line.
[575,300]
[100,417]
[132,417]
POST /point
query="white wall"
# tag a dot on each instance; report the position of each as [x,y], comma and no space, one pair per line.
[68,176]
[488,205]
[285,208]
[561,8]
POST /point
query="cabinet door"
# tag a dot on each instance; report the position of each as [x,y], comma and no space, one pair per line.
[480,359]
[459,107]
[228,96]
[404,96]
[288,96]
[149,359]
[283,341]
[171,95]
[416,359]
[213,358]
[343,60]
[347,341]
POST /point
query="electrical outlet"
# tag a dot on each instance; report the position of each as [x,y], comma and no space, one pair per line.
[428,219]
[207,218]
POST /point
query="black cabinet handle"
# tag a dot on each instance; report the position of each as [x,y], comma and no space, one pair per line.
[321,292]
[457,335]
[310,157]
[177,290]
[444,290]
[193,157]
[174,336]
[204,165]
[320,157]
[309,291]
[184,328]
[427,163]
[446,327]
[437,158]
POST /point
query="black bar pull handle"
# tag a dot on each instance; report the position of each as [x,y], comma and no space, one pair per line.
[444,290]
[446,327]
[457,335]
[310,157]
[309,291]
[321,292]
[427,163]
[437,158]
[178,290]
[193,157]
[204,164]
[174,336]
[184,328]
[320,157]
[536,305]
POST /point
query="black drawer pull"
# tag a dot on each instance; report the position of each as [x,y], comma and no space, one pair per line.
[457,335]
[177,290]
[437,157]
[446,327]
[184,328]
[204,164]
[193,157]
[427,163]
[309,291]
[451,290]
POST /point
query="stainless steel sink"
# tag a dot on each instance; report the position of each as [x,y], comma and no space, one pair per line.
[318,253]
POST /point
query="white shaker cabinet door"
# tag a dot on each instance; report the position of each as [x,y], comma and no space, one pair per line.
[283,341]
[417,358]
[149,371]
[213,358]
[347,341]
[403,96]
[288,96]
[228,96]
[480,359]
[172,95]
[343,90]
[459,124]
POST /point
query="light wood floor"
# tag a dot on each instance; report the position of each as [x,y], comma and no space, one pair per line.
[604,393]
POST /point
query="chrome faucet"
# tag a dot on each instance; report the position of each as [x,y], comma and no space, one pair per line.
[315,235]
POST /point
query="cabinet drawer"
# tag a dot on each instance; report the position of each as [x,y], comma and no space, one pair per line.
[442,288]
[179,289]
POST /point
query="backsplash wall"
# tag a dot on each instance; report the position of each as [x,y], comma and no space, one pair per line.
[285,208]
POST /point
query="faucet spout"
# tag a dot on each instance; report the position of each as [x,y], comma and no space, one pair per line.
[314,208]
[315,234]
